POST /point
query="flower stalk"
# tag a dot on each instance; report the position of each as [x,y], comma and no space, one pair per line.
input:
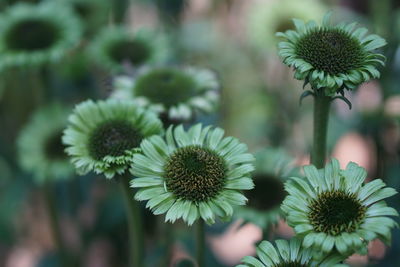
[135,226]
[322,105]
[55,222]
[200,243]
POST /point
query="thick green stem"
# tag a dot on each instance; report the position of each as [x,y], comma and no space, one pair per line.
[135,227]
[200,243]
[54,222]
[322,105]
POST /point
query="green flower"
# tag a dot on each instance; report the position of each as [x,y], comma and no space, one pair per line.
[102,136]
[264,19]
[288,254]
[117,48]
[192,174]
[174,93]
[40,148]
[273,166]
[36,34]
[329,57]
[333,209]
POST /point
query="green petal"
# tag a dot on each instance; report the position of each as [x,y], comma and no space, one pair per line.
[193,215]
[340,245]
[164,206]
[251,261]
[379,195]
[240,171]
[243,183]
[328,243]
[215,137]
[146,182]
[148,193]
[175,212]
[268,249]
[283,248]
[206,212]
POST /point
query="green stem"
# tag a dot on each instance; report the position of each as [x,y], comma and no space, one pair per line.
[200,243]
[322,105]
[55,222]
[135,227]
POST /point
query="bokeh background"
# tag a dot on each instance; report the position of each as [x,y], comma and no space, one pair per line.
[259,105]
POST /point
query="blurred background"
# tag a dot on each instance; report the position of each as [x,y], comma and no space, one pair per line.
[259,105]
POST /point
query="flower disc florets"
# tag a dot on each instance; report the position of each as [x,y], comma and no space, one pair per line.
[288,254]
[113,138]
[333,210]
[192,174]
[102,136]
[176,94]
[195,173]
[333,58]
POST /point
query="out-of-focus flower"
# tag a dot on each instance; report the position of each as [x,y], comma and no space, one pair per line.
[40,148]
[176,94]
[37,34]
[192,174]
[273,166]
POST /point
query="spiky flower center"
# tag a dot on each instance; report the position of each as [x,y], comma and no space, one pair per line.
[32,34]
[53,147]
[291,264]
[195,173]
[113,138]
[166,86]
[130,51]
[267,194]
[330,50]
[335,212]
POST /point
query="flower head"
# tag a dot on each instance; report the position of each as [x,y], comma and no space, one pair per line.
[117,48]
[192,174]
[37,34]
[102,136]
[288,254]
[39,145]
[176,94]
[273,166]
[333,209]
[333,58]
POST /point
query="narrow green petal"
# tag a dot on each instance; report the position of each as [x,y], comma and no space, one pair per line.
[328,244]
[268,249]
[243,183]
[253,262]
[283,248]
